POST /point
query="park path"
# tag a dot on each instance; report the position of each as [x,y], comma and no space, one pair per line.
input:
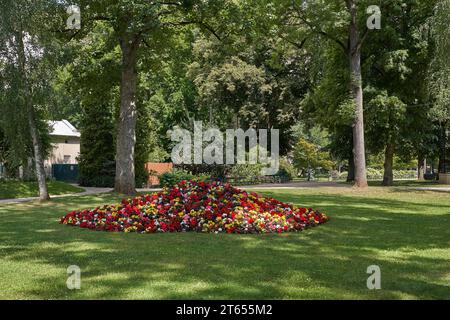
[297,185]
[93,191]
[273,186]
[433,189]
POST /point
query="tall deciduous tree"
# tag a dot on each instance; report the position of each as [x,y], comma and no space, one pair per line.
[385,123]
[136,24]
[344,23]
[26,80]
[395,66]
[439,86]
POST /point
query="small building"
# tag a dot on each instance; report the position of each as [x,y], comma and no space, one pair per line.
[62,163]
[65,139]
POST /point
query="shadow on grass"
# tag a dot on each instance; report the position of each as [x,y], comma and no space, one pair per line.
[329,261]
[21,189]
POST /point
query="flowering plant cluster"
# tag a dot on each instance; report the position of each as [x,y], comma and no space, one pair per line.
[198,206]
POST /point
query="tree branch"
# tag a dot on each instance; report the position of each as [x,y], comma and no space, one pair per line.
[361,41]
[295,44]
[316,29]
[200,23]
[167,3]
[146,43]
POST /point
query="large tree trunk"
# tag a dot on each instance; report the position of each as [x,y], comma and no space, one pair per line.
[354,52]
[126,131]
[421,168]
[388,179]
[38,159]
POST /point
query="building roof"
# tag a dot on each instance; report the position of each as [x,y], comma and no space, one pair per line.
[63,128]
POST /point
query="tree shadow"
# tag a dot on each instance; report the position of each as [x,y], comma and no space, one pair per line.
[326,262]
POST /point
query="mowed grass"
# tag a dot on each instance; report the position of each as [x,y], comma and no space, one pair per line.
[406,233]
[21,189]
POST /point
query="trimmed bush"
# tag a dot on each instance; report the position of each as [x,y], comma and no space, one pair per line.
[170,179]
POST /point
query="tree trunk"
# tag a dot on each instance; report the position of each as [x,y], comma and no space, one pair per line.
[126,131]
[354,52]
[421,168]
[388,179]
[38,159]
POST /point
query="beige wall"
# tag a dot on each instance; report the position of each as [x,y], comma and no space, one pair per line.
[64,146]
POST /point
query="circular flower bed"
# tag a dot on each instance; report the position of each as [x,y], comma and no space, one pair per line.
[198,206]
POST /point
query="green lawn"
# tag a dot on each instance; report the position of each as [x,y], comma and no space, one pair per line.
[20,189]
[406,233]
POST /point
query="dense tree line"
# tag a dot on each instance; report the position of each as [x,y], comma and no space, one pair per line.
[136,69]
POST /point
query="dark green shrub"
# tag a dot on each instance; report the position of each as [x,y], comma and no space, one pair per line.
[97,148]
[100,175]
[169,179]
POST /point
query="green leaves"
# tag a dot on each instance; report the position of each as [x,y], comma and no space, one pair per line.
[309,156]
[26,61]
[385,121]
[439,73]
